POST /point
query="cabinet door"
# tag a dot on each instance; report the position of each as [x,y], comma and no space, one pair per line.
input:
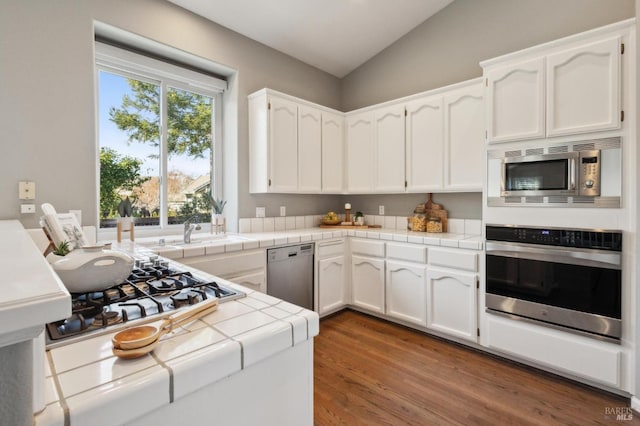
[515,98]
[331,294]
[425,144]
[464,139]
[360,153]
[332,153]
[389,135]
[256,281]
[406,290]
[451,302]
[309,149]
[367,281]
[283,145]
[583,88]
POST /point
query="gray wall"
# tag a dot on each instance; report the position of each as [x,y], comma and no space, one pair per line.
[459,205]
[47,87]
[447,48]
[47,94]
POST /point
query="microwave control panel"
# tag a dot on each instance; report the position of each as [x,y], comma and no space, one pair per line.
[589,173]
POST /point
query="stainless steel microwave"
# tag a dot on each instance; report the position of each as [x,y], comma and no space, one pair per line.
[568,173]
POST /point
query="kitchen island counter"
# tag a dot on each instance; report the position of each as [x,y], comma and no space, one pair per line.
[257,348]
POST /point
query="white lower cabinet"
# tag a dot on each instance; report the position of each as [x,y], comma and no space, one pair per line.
[367,281]
[580,356]
[331,284]
[406,292]
[451,302]
[247,268]
[256,281]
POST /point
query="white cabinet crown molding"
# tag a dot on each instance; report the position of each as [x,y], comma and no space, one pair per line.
[561,43]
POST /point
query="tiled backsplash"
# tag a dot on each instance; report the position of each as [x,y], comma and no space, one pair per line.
[286,223]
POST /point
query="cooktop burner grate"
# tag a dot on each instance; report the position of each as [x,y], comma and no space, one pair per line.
[151,289]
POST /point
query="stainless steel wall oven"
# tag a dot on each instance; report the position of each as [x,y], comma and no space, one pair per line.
[568,278]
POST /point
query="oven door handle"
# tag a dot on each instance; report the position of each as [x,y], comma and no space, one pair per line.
[573,256]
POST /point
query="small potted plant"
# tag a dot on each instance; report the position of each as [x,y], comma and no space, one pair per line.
[125,210]
[125,221]
[218,209]
[359,219]
[59,251]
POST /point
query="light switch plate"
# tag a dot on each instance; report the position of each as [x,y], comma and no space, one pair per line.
[381,210]
[26,190]
[283,211]
[260,211]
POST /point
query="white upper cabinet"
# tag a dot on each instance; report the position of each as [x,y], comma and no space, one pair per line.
[283,145]
[309,149]
[464,139]
[515,96]
[332,153]
[360,153]
[583,89]
[389,150]
[425,144]
[566,87]
[286,139]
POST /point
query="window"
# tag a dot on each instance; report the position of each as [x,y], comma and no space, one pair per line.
[158,132]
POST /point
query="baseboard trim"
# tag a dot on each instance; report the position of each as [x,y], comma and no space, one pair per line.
[635,404]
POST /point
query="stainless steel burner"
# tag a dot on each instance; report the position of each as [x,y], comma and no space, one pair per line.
[153,290]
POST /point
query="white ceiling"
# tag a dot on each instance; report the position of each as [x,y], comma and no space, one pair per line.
[336,36]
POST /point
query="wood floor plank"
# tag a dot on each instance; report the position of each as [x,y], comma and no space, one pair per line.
[373,372]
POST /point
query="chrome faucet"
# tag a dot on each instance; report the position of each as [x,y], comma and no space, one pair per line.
[189,227]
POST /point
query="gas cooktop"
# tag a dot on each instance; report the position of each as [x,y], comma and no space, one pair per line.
[153,290]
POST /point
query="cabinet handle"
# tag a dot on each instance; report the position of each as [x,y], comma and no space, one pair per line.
[333,243]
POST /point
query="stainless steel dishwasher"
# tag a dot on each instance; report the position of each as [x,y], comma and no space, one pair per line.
[290,274]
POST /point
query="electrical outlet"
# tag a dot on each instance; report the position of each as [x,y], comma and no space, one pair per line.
[27,208]
[260,212]
[283,211]
[381,210]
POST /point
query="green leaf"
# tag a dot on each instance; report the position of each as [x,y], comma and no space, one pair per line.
[62,249]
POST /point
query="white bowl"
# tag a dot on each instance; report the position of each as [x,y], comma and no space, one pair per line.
[93,269]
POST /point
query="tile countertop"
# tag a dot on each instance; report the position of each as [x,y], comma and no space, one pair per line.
[85,379]
[32,294]
[248,241]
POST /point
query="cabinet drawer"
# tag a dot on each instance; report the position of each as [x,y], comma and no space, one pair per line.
[256,281]
[599,361]
[406,252]
[370,248]
[458,259]
[330,248]
[226,265]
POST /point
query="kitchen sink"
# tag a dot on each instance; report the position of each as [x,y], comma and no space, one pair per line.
[177,241]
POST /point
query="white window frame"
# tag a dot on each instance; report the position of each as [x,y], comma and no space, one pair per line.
[132,65]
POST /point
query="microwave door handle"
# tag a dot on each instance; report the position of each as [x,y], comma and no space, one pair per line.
[595,258]
[572,174]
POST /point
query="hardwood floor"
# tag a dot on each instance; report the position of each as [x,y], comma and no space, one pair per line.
[372,372]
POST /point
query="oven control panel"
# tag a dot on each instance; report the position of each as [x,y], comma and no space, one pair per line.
[579,238]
